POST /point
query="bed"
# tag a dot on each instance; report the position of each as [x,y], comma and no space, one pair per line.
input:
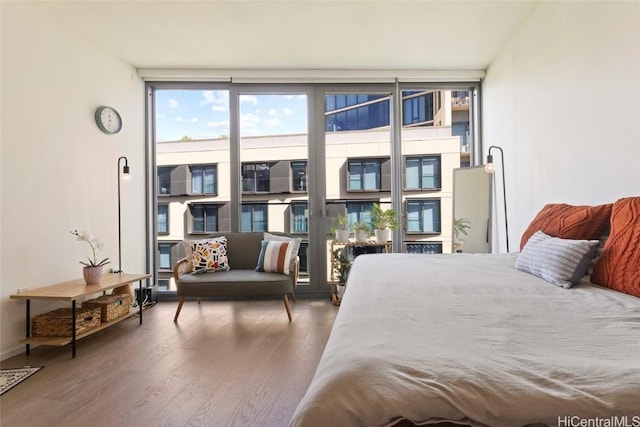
[466,339]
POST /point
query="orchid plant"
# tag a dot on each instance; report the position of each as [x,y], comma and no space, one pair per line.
[95,244]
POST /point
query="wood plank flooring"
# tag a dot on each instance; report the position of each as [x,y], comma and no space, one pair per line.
[225,363]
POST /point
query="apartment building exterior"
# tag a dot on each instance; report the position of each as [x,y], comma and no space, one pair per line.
[194,195]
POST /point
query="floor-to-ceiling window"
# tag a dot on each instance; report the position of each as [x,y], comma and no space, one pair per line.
[293,158]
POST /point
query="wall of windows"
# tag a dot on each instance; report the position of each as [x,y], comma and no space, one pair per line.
[250,172]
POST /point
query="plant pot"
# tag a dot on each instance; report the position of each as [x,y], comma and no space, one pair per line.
[342,235]
[340,290]
[361,236]
[383,236]
[92,275]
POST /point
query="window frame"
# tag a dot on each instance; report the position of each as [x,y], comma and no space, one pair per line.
[292,221]
[204,166]
[421,158]
[192,206]
[362,175]
[167,231]
[253,205]
[292,176]
[421,231]
[255,178]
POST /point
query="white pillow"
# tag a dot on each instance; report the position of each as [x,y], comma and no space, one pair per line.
[295,245]
[562,262]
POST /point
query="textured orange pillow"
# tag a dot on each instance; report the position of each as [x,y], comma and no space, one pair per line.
[619,266]
[569,222]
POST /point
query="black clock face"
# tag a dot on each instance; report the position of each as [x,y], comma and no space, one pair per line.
[108,120]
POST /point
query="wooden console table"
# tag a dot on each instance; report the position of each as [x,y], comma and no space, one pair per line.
[72,291]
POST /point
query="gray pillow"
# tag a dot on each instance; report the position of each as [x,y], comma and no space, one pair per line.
[562,262]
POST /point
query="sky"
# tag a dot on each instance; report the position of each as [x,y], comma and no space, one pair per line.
[201,114]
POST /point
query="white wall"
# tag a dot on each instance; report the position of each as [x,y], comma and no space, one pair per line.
[562,100]
[58,170]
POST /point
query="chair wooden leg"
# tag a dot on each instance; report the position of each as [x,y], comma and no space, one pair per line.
[180,302]
[286,305]
[293,295]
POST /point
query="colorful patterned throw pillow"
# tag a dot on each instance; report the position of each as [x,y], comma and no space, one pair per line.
[275,256]
[569,222]
[619,265]
[209,255]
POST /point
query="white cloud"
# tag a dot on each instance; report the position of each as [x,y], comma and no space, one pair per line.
[250,99]
[249,120]
[273,122]
[272,112]
[194,120]
[173,104]
[179,119]
[287,111]
[224,124]
[218,99]
[288,97]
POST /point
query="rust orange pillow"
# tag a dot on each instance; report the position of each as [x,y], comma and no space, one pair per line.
[619,265]
[569,222]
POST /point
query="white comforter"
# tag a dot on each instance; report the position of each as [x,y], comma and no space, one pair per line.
[469,339]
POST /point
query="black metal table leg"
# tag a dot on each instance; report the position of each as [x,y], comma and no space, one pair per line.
[28,347]
[73,329]
[140,302]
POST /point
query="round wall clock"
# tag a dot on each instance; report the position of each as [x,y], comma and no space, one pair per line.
[108,120]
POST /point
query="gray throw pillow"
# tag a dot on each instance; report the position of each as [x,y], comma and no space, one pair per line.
[562,262]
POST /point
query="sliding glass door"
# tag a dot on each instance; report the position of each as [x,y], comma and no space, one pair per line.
[299,158]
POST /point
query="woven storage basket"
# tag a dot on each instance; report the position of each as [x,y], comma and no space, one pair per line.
[57,323]
[111,306]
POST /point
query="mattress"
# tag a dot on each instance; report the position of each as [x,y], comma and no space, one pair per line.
[469,340]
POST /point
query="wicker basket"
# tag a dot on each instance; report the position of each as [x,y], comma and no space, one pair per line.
[57,323]
[111,306]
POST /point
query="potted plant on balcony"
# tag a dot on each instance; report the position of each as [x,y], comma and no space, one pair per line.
[341,230]
[361,231]
[460,227]
[384,221]
[341,266]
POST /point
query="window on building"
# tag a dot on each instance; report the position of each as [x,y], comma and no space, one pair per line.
[359,211]
[299,175]
[417,108]
[164,180]
[254,217]
[424,247]
[364,175]
[356,112]
[204,218]
[204,179]
[299,217]
[255,177]
[164,259]
[423,216]
[422,173]
[163,219]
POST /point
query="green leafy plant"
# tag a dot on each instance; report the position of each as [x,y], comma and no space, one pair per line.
[343,222]
[383,219]
[94,244]
[461,227]
[361,226]
[341,265]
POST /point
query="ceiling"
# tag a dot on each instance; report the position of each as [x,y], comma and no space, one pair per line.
[302,34]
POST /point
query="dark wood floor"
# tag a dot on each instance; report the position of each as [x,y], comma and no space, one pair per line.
[238,363]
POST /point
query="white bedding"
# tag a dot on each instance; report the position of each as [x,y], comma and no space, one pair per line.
[469,339]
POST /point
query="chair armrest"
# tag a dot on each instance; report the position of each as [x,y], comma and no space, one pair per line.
[180,268]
